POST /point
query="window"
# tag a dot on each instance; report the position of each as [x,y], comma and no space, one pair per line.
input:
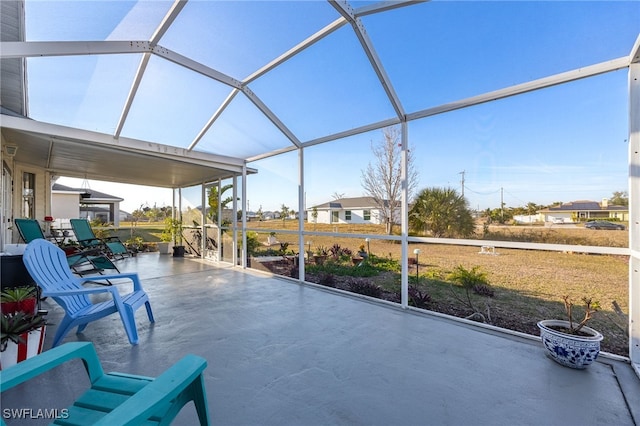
[366,215]
[347,215]
[335,217]
[28,195]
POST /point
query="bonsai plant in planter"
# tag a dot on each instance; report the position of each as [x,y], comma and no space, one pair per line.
[22,336]
[571,343]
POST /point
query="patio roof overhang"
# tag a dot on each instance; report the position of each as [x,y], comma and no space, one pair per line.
[65,151]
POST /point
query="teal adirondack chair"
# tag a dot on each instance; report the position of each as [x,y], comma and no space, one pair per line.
[48,267]
[118,398]
[82,262]
[112,246]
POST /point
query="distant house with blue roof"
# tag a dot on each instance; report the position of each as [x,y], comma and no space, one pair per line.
[584,210]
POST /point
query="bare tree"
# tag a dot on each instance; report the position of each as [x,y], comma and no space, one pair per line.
[383,181]
[336,195]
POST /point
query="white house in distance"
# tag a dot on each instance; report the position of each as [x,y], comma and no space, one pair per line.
[71,203]
[584,210]
[347,210]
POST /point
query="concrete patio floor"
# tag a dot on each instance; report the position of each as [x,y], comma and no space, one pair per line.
[281,353]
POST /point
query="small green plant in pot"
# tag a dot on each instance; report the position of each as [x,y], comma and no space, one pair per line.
[571,342]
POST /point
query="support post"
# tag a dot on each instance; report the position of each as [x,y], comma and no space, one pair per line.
[404,219]
[634,215]
[301,211]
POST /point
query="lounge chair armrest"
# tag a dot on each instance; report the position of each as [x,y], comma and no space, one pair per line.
[86,252]
[164,388]
[89,240]
[47,360]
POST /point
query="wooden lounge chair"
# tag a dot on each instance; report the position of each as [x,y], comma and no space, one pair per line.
[47,265]
[81,261]
[111,246]
[118,398]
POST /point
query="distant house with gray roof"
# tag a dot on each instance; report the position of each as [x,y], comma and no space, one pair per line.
[72,203]
[584,210]
[347,210]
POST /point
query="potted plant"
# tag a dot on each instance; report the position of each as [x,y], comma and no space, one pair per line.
[22,337]
[569,342]
[321,255]
[165,239]
[362,252]
[175,228]
[271,239]
[19,299]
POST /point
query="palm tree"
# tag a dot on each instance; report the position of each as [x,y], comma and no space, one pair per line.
[213,201]
[442,212]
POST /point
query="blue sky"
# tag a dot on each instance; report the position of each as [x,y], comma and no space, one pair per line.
[561,144]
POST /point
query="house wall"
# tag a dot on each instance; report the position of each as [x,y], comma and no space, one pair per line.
[65,206]
[357,216]
[41,196]
[622,216]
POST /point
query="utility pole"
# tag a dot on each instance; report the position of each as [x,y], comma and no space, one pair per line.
[502,203]
[462,173]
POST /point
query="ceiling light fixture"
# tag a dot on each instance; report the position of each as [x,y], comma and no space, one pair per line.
[11,150]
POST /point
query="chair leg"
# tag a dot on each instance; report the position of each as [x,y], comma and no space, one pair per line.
[147,305]
[63,328]
[200,400]
[129,322]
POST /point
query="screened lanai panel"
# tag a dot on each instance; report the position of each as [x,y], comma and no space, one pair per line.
[275,185]
[238,37]
[172,104]
[563,144]
[336,168]
[92,20]
[328,88]
[439,52]
[86,92]
[242,131]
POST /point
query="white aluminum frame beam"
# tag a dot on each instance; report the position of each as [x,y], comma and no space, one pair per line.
[213,119]
[335,25]
[518,89]
[271,116]
[171,15]
[348,13]
[30,49]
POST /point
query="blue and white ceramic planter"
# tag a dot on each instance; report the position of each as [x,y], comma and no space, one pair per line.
[568,349]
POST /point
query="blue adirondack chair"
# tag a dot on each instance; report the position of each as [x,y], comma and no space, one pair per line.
[118,398]
[48,267]
[112,246]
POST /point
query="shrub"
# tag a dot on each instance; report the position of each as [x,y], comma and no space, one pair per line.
[483,290]
[417,298]
[363,286]
[327,279]
[252,242]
